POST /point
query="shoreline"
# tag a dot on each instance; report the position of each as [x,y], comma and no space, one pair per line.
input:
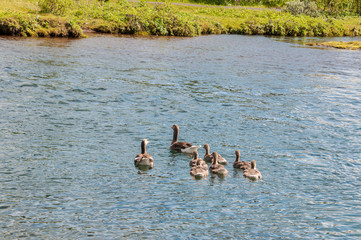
[174,19]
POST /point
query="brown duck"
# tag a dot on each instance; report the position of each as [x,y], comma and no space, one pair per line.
[252,173]
[195,159]
[217,168]
[240,164]
[184,147]
[209,158]
[144,159]
[198,171]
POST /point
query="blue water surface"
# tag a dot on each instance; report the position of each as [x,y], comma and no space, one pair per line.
[73,114]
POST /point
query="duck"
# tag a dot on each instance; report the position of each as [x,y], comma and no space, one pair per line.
[209,158]
[217,168]
[252,173]
[144,159]
[195,160]
[198,171]
[184,147]
[240,164]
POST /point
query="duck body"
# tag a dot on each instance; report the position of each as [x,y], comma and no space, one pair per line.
[184,147]
[199,171]
[144,159]
[209,157]
[240,164]
[222,160]
[219,170]
[252,173]
[243,165]
[203,165]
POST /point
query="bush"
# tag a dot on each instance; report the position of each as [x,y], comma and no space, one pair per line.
[9,26]
[307,7]
[21,24]
[56,7]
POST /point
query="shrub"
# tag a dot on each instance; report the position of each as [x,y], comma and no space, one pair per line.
[9,26]
[307,7]
[57,7]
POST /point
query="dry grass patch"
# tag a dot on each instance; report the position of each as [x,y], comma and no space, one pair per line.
[353,45]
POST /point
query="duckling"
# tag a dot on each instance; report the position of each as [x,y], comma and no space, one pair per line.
[217,168]
[241,165]
[198,171]
[252,173]
[144,159]
[195,159]
[209,158]
[184,147]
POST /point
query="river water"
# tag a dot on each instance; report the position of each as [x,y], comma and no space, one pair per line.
[73,114]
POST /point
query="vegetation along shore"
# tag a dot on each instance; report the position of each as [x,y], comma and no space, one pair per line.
[73,18]
[353,45]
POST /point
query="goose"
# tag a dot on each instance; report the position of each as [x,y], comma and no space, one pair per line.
[144,159]
[240,164]
[198,171]
[184,147]
[252,173]
[195,160]
[209,158]
[217,168]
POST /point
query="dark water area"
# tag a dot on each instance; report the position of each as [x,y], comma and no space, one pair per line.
[73,114]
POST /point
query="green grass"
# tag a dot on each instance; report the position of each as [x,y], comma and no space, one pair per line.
[67,18]
[17,5]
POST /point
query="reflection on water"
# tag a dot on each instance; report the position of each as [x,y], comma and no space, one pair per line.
[73,113]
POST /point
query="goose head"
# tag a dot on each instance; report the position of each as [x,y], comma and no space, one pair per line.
[206,147]
[195,155]
[175,133]
[253,164]
[238,153]
[215,157]
[143,145]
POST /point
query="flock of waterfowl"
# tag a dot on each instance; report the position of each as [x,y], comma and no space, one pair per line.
[199,167]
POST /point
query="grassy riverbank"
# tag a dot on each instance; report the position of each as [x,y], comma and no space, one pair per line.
[353,45]
[69,18]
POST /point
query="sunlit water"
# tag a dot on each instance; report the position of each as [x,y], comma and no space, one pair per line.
[73,114]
